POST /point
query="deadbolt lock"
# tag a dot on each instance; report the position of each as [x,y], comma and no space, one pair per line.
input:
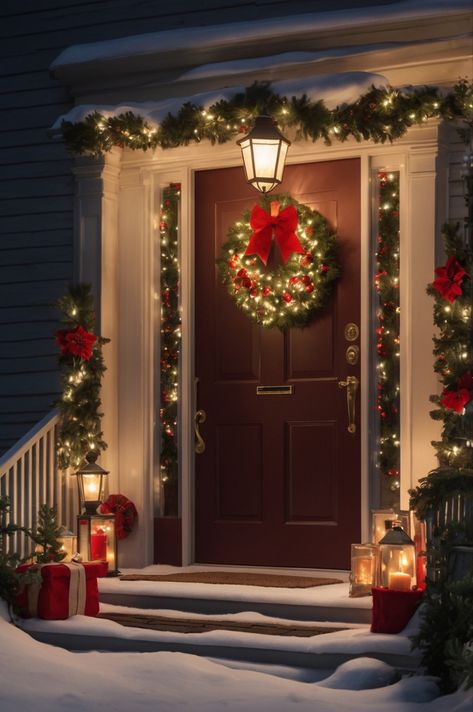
[352,354]
[352,332]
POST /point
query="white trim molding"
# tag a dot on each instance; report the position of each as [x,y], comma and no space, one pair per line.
[129,290]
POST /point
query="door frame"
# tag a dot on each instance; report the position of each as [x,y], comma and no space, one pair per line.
[128,237]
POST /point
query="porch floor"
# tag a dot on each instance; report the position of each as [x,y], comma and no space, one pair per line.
[324,606]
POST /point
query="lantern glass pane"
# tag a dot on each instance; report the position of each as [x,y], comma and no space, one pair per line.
[68,546]
[281,160]
[364,566]
[247,159]
[398,566]
[103,540]
[265,155]
[92,487]
[84,538]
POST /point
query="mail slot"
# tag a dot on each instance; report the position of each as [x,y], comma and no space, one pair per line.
[274,390]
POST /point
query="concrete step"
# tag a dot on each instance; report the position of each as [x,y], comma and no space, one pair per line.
[321,651]
[321,603]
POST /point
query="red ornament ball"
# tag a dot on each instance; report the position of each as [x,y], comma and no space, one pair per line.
[287,297]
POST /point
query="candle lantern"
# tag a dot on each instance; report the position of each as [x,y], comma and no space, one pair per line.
[90,481]
[382,521]
[397,554]
[97,540]
[264,152]
[68,541]
[364,568]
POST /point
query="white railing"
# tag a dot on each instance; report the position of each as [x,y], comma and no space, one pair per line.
[29,476]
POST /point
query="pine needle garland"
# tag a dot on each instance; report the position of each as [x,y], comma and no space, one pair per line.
[82,367]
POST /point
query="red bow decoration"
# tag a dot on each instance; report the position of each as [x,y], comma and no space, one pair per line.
[283,223]
[456,397]
[77,342]
[449,279]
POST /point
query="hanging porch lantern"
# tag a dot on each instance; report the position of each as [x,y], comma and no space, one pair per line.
[397,553]
[264,152]
[90,481]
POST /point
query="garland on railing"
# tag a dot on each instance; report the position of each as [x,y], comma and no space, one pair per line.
[446,631]
[82,367]
[387,329]
[170,346]
[380,115]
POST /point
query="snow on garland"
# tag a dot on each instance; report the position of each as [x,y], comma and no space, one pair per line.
[380,115]
[124,511]
[292,293]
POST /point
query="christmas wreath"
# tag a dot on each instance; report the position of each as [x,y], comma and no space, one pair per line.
[124,511]
[290,294]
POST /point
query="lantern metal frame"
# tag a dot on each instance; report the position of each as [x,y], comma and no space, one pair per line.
[264,134]
[363,578]
[85,524]
[91,469]
[397,541]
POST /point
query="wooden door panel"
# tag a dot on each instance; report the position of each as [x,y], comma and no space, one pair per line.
[311,472]
[239,488]
[279,482]
[309,353]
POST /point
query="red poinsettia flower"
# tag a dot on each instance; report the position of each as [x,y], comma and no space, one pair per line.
[77,342]
[456,398]
[449,279]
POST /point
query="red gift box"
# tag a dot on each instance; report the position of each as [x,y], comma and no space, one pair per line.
[392,610]
[56,597]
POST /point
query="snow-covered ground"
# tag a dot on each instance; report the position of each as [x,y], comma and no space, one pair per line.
[41,678]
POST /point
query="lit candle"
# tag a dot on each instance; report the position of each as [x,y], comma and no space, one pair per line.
[399,581]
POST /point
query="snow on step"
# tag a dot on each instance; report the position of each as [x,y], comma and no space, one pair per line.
[321,651]
[321,603]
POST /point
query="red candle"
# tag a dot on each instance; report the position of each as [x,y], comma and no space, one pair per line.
[98,546]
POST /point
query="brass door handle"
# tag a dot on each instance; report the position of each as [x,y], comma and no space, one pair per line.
[351,384]
[199,417]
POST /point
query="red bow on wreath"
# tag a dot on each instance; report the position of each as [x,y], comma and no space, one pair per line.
[283,223]
[124,511]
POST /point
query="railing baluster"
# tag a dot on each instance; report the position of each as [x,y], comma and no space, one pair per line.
[29,477]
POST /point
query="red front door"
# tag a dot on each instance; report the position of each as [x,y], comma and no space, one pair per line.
[279,481]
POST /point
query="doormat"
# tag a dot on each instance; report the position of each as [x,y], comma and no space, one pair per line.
[235,578]
[201,625]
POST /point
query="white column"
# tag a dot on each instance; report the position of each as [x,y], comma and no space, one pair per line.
[418,379]
[96,262]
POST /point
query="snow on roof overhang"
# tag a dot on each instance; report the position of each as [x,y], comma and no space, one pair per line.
[333,89]
[409,20]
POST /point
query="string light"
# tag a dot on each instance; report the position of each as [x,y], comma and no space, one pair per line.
[386,281]
[170,330]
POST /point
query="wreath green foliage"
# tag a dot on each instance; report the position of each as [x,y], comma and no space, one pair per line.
[291,294]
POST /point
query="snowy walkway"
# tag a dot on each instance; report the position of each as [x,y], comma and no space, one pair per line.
[35,677]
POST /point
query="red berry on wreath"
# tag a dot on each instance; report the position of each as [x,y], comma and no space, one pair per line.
[309,288]
[246,282]
[323,268]
[265,291]
[254,292]
[294,280]
[287,297]
[306,279]
[242,272]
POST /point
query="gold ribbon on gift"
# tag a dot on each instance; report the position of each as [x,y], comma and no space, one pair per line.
[77,590]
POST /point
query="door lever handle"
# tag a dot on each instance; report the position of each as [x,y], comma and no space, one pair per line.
[351,384]
[199,417]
